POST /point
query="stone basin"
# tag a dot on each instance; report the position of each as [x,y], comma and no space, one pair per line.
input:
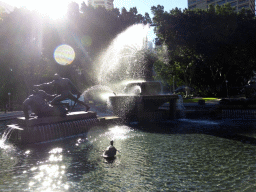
[46,129]
[143,107]
[141,102]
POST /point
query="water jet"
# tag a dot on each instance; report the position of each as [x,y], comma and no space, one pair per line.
[124,60]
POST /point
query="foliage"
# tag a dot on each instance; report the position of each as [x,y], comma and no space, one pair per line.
[101,25]
[28,41]
[206,48]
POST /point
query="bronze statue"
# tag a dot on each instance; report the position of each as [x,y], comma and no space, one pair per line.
[65,89]
[250,90]
[38,103]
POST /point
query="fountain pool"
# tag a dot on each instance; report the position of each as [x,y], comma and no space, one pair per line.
[178,155]
[173,155]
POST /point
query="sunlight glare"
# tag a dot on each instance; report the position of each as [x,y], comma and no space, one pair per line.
[54,9]
[117,132]
[86,41]
[105,96]
[56,150]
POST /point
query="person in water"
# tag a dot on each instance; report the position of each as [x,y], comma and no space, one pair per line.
[110,151]
[65,89]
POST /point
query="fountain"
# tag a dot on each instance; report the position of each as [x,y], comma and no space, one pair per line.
[123,68]
[124,60]
[145,105]
[6,136]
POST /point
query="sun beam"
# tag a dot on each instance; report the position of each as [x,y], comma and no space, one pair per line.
[55,9]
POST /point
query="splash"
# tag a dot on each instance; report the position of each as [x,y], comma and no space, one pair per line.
[135,90]
[98,93]
[123,60]
[181,107]
[98,96]
[5,136]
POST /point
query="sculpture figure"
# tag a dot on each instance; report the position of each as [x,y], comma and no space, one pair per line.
[38,103]
[65,89]
[250,90]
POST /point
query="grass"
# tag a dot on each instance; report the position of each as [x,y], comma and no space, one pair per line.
[195,100]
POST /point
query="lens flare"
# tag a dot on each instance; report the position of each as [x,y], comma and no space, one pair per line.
[86,41]
[64,54]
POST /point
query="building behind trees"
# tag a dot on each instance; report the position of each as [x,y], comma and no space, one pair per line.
[108,4]
[237,4]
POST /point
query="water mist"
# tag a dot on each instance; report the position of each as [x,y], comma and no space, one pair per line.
[121,62]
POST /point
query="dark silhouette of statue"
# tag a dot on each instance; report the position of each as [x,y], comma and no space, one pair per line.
[38,104]
[250,90]
[65,89]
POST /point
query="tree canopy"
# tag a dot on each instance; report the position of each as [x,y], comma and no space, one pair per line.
[206,48]
[28,41]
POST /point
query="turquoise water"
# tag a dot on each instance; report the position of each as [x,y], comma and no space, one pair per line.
[182,155]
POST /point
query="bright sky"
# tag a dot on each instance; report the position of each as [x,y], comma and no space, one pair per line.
[145,5]
[51,6]
[57,8]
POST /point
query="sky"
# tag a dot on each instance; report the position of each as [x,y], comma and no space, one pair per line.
[58,7]
[142,5]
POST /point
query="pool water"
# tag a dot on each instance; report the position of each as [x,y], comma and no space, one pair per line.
[180,155]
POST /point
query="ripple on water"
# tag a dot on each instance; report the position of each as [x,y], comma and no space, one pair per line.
[181,161]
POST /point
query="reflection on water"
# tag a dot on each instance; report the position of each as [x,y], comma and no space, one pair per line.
[180,155]
[207,122]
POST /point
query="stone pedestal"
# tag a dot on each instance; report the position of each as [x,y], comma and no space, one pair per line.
[37,130]
[143,108]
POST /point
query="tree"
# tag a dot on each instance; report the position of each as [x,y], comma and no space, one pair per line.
[28,41]
[102,25]
[207,47]
[99,26]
